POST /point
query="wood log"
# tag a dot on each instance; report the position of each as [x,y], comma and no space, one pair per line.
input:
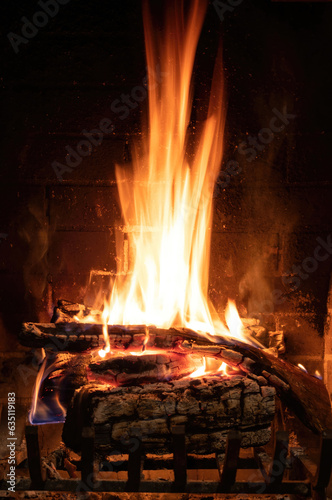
[69,312]
[73,371]
[136,370]
[68,372]
[259,335]
[304,394]
[208,407]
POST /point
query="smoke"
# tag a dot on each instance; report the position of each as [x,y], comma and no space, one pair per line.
[272,214]
[34,234]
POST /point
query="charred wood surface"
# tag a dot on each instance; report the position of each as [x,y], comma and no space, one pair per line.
[304,394]
[73,371]
[135,370]
[125,416]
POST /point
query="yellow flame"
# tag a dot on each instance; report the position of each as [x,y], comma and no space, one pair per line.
[223,368]
[303,368]
[167,194]
[233,320]
[201,370]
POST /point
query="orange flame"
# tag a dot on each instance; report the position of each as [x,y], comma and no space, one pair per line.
[167,196]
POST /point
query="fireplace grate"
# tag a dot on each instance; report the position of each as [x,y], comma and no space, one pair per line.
[287,470]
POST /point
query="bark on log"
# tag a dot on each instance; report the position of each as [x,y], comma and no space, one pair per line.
[71,312]
[305,395]
[208,407]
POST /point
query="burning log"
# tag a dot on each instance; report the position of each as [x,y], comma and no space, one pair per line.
[304,394]
[71,372]
[141,369]
[209,407]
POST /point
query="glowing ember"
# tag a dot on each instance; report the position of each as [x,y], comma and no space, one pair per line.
[302,367]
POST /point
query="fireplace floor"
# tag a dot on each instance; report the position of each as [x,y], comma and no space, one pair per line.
[143,496]
[239,473]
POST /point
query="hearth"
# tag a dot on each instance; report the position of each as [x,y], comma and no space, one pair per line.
[147,407]
[140,383]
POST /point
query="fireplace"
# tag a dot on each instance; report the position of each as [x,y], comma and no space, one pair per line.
[76,113]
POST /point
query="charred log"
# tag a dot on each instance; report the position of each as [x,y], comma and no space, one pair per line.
[208,407]
[69,372]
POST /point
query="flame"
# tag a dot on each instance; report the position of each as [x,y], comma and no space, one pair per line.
[233,320]
[201,370]
[46,408]
[303,368]
[223,368]
[167,195]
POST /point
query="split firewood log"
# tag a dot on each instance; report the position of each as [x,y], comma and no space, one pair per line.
[208,407]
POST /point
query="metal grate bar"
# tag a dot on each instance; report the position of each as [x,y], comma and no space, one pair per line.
[323,474]
[278,466]
[228,471]
[135,465]
[179,457]
[88,445]
[37,474]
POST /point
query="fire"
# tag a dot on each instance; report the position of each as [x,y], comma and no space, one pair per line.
[303,368]
[47,407]
[166,201]
[223,368]
[233,320]
[201,370]
[167,195]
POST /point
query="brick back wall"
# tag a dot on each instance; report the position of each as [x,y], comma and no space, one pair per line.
[266,221]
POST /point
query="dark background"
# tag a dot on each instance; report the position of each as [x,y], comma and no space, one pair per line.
[64,80]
